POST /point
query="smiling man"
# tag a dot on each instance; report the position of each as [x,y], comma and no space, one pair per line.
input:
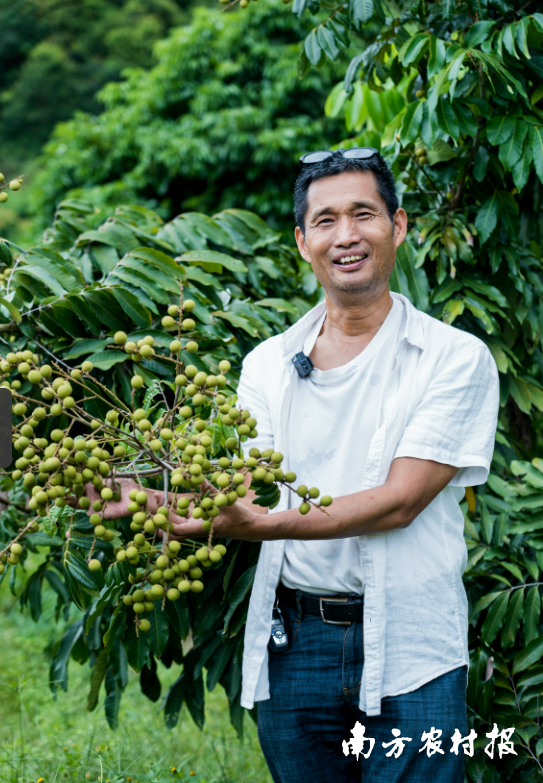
[397,416]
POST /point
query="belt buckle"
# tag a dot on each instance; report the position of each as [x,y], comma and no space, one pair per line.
[334,600]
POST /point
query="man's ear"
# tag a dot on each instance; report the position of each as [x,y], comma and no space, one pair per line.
[399,229]
[300,241]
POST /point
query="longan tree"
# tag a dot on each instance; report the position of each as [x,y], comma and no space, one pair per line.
[143,418]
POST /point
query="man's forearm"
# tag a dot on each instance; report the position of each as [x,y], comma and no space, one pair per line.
[411,485]
[371,511]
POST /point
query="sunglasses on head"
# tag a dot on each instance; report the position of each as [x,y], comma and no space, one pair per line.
[356,153]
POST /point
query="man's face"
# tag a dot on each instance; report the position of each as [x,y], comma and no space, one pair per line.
[349,239]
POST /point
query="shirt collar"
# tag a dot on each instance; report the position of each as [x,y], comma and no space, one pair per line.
[293,339]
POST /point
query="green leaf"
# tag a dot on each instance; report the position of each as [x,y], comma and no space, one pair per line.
[218,663]
[494,619]
[327,42]
[416,278]
[532,677]
[207,616]
[509,40]
[532,501]
[532,611]
[389,131]
[82,347]
[12,310]
[173,702]
[336,101]
[486,289]
[240,590]
[117,620]
[362,10]
[237,320]
[312,48]
[447,8]
[77,567]
[212,261]
[104,599]
[132,306]
[5,253]
[411,123]
[149,682]
[398,282]
[446,118]
[97,236]
[105,257]
[69,277]
[487,218]
[157,259]
[521,36]
[98,672]
[45,277]
[437,56]
[199,276]
[477,33]
[511,621]
[521,169]
[483,602]
[104,360]
[152,279]
[531,654]
[530,526]
[280,305]
[538,151]
[521,394]
[533,475]
[178,615]
[413,48]
[136,647]
[511,150]
[499,129]
[112,701]
[59,665]
[157,636]
[441,151]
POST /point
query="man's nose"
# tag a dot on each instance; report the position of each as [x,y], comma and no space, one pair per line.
[348,232]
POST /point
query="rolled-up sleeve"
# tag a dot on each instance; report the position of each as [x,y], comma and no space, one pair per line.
[455,420]
[252,397]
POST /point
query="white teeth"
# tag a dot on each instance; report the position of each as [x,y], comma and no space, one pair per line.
[350,259]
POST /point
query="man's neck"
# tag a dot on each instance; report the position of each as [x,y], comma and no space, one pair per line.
[349,327]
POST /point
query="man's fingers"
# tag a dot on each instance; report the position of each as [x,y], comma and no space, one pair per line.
[208,487]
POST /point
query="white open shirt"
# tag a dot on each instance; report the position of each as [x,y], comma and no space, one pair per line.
[441,403]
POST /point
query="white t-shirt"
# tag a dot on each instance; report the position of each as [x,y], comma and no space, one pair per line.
[332,419]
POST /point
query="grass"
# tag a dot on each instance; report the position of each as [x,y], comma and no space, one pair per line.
[60,741]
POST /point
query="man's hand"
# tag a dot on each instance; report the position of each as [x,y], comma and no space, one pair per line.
[410,487]
[237,521]
[115,509]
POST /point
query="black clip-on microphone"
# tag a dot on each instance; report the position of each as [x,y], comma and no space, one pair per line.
[303,364]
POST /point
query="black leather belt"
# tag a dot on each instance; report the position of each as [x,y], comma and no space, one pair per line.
[336,610]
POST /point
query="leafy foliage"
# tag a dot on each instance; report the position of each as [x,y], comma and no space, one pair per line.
[91,275]
[66,299]
[450,94]
[55,56]
[218,122]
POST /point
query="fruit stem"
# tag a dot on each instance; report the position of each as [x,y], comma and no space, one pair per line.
[23,532]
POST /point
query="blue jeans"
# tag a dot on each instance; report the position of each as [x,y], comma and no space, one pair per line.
[313,705]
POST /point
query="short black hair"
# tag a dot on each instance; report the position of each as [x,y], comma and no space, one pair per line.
[337,164]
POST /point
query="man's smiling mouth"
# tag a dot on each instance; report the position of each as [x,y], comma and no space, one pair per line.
[353,260]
